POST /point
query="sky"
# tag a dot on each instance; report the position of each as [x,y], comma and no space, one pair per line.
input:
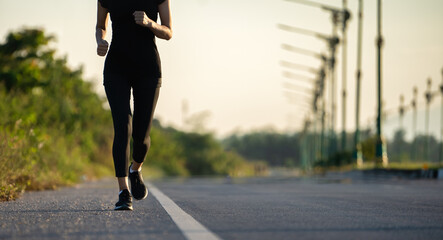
[222,65]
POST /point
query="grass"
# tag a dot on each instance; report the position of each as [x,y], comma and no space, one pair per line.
[402,165]
[371,165]
[413,166]
[33,161]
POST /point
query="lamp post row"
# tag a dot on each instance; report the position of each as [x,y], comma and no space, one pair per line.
[429,96]
[343,15]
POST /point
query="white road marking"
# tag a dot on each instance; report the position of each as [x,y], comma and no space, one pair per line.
[192,229]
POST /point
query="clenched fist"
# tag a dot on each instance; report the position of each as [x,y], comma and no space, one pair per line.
[102,47]
[141,18]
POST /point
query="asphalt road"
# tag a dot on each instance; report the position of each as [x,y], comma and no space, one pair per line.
[336,206]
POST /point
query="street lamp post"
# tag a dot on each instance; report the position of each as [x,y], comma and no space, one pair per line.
[428,96]
[440,157]
[414,124]
[319,83]
[322,74]
[346,16]
[332,41]
[380,147]
[357,153]
[337,16]
[332,76]
[401,111]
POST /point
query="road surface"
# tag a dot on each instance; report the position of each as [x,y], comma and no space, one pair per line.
[335,206]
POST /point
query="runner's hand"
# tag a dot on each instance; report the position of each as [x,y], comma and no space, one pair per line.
[141,18]
[102,47]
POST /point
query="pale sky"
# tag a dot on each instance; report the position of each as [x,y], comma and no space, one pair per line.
[224,56]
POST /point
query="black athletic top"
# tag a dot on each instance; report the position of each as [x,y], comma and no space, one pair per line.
[133,48]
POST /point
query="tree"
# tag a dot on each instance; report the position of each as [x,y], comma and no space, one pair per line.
[398,147]
[24,59]
[274,148]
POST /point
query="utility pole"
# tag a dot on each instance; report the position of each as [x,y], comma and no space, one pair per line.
[358,156]
[381,158]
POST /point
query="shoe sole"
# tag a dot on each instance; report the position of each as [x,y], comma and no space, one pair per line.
[141,198]
[123,207]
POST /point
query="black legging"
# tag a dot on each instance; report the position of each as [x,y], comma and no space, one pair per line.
[145,94]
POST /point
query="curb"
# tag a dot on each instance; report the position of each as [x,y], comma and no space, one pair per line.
[413,173]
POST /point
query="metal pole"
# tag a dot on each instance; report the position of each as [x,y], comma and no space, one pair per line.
[306,52]
[440,157]
[305,150]
[323,141]
[302,31]
[358,154]
[344,78]
[414,125]
[322,92]
[401,111]
[428,96]
[322,134]
[298,66]
[314,139]
[333,48]
[296,76]
[380,147]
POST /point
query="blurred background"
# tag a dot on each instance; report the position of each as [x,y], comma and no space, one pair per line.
[248,86]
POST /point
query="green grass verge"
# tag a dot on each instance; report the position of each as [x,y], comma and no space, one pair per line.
[31,160]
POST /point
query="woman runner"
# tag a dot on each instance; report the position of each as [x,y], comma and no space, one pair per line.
[132,63]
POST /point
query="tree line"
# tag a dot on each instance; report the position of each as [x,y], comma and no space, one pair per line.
[277,149]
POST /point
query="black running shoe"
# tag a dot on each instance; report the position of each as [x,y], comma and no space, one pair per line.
[138,188]
[124,201]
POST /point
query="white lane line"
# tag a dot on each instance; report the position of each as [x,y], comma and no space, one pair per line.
[192,229]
